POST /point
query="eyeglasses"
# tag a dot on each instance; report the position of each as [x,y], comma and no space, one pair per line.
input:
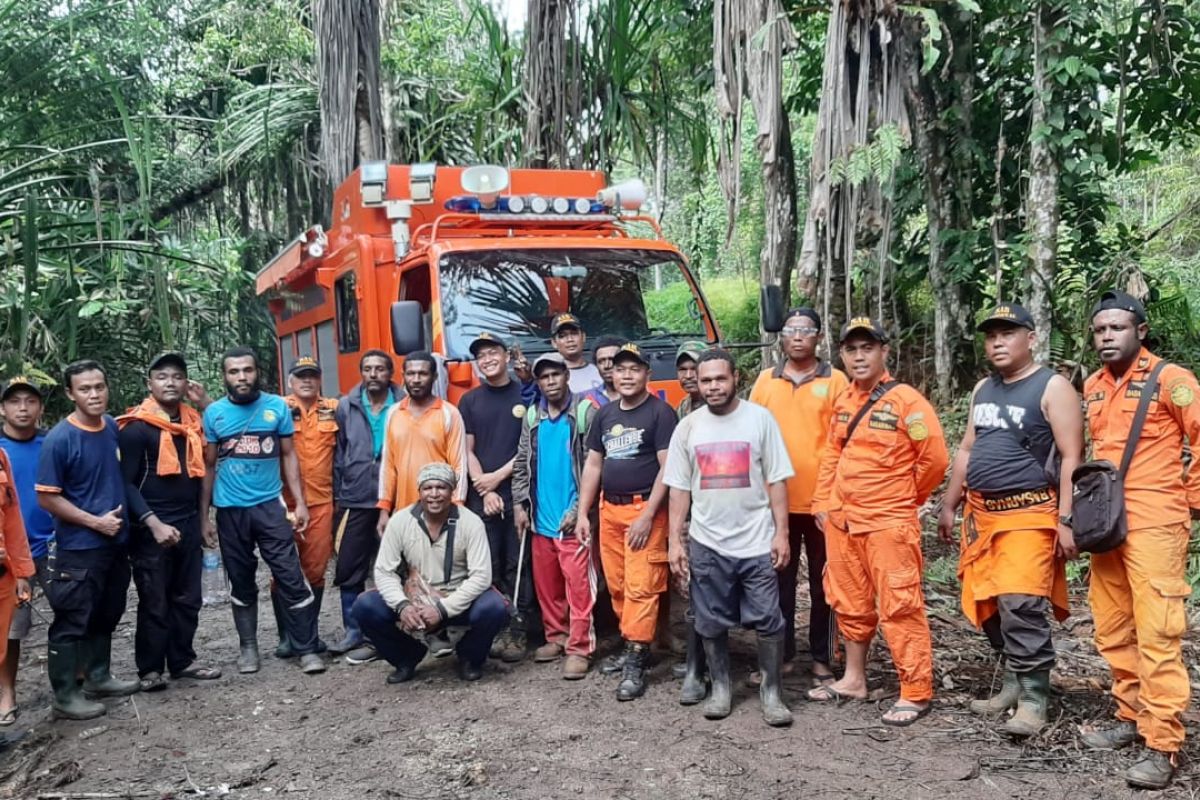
[792,330]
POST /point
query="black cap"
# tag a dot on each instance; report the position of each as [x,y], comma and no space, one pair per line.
[485,338]
[18,382]
[1008,314]
[804,311]
[1120,300]
[168,358]
[549,359]
[631,352]
[566,320]
[865,325]
[303,365]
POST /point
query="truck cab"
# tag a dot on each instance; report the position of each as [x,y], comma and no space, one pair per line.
[422,257]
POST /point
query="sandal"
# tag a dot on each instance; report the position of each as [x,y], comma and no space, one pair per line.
[827,694]
[153,682]
[198,673]
[822,680]
[9,717]
[917,713]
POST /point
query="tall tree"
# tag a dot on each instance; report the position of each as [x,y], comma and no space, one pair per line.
[551,84]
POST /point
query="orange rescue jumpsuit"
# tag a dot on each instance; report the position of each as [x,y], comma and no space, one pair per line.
[315,437]
[1138,590]
[871,488]
[17,561]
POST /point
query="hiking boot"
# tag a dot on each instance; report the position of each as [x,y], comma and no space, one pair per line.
[575,667]
[1003,700]
[352,638]
[633,673]
[311,664]
[770,692]
[1153,771]
[69,702]
[514,647]
[720,699]
[694,689]
[613,664]
[362,655]
[245,620]
[98,678]
[550,651]
[1123,734]
[402,674]
[1033,704]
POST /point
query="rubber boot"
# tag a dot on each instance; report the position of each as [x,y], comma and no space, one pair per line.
[318,597]
[284,648]
[770,692]
[694,688]
[1003,700]
[69,702]
[720,699]
[353,637]
[1032,706]
[245,620]
[98,679]
[633,674]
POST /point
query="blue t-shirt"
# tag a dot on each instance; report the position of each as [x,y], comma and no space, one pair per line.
[23,454]
[377,421]
[84,466]
[556,489]
[247,438]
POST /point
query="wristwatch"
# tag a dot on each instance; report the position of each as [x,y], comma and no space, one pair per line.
[1065,520]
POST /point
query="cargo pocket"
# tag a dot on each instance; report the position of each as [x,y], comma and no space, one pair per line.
[1173,592]
[66,590]
[660,569]
[903,596]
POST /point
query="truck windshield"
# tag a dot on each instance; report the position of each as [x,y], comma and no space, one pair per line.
[631,294]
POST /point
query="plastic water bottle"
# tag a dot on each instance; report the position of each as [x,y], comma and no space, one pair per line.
[212,582]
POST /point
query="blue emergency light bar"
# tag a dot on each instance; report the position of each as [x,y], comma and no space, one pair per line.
[534,205]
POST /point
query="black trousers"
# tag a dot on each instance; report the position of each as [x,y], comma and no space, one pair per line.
[505,547]
[169,597]
[804,533]
[266,526]
[1021,631]
[86,591]
[357,548]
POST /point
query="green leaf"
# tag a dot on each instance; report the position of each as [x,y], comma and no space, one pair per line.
[970,6]
[90,308]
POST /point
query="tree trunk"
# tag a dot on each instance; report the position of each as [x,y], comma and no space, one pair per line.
[550,84]
[1041,204]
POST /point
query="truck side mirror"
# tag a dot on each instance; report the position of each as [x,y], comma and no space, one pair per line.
[770,309]
[408,329]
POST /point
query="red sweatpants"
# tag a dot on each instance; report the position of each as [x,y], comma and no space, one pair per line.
[565,582]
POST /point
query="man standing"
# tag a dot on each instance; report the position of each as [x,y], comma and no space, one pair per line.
[15,559]
[79,484]
[885,455]
[546,477]
[433,571]
[800,393]
[606,348]
[728,466]
[1139,591]
[627,447]
[491,415]
[162,461]
[1015,524]
[315,420]
[22,439]
[249,439]
[685,371]
[361,417]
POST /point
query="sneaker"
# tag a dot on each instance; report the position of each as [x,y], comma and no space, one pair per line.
[362,655]
[1123,734]
[311,664]
[1154,771]
[402,674]
[575,667]
[550,651]
[438,644]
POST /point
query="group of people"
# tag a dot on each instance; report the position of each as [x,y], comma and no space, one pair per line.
[488,526]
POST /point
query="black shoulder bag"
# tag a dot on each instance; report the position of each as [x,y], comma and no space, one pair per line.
[876,393]
[1098,499]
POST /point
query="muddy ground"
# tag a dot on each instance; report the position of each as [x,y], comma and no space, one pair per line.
[523,732]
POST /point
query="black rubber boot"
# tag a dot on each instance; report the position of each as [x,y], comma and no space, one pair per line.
[69,702]
[633,674]
[1032,706]
[318,596]
[245,620]
[98,680]
[694,688]
[770,691]
[284,648]
[720,699]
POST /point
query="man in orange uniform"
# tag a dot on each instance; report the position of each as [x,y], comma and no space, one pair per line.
[1015,529]
[15,559]
[884,457]
[1138,591]
[800,393]
[316,436]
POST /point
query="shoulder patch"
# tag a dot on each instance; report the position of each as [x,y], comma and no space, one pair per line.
[820,389]
[1182,394]
[917,431]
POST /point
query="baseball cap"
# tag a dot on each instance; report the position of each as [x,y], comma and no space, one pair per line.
[804,311]
[18,382]
[1008,314]
[546,359]
[484,338]
[690,349]
[1120,300]
[170,358]
[631,351]
[305,364]
[866,325]
[566,320]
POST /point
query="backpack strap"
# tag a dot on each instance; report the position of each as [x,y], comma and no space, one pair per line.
[876,394]
[1139,416]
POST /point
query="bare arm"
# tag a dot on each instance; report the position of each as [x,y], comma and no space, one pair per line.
[780,548]
[1060,405]
[589,487]
[958,475]
[206,493]
[59,507]
[291,474]
[677,513]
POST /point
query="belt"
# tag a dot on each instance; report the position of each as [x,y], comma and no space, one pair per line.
[625,499]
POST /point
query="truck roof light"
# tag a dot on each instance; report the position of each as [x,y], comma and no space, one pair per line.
[561,205]
[516,204]
[420,181]
[539,205]
[373,181]
[582,205]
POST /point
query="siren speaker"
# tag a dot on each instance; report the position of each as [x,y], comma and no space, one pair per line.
[630,194]
[485,182]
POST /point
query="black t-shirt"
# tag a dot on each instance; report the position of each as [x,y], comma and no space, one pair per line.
[493,414]
[172,498]
[630,442]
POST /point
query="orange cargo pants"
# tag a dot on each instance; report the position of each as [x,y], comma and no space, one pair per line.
[873,580]
[8,606]
[1137,593]
[636,578]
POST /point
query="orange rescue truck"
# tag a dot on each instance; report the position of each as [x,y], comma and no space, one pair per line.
[425,257]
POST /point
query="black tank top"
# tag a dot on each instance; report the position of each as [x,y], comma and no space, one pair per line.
[1007,458]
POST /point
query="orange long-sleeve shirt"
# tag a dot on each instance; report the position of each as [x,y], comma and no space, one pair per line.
[895,459]
[1158,491]
[315,438]
[410,442]
[16,545]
